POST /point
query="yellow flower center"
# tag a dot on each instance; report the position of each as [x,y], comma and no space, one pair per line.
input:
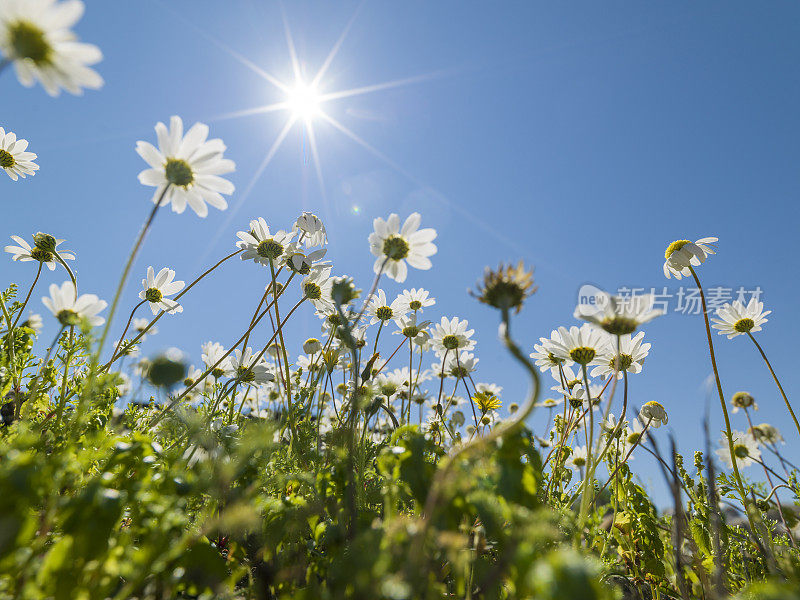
[178,172]
[153,295]
[6,159]
[28,41]
[384,313]
[674,246]
[395,247]
[582,355]
[269,249]
[744,325]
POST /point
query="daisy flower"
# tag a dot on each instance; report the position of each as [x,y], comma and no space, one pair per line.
[451,334]
[411,327]
[544,353]
[312,346]
[736,319]
[745,448]
[743,400]
[71,309]
[34,321]
[381,311]
[766,434]
[139,325]
[35,35]
[302,262]
[583,344]
[312,231]
[14,159]
[489,387]
[653,412]
[186,169]
[158,287]
[317,288]
[578,457]
[261,245]
[44,250]
[618,315]
[415,299]
[682,254]
[632,353]
[212,352]
[397,248]
[461,365]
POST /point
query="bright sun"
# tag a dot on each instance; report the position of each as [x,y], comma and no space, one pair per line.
[304,101]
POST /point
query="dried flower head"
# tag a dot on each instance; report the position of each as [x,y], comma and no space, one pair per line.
[505,287]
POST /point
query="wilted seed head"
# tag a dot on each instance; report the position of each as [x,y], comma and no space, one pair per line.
[506,287]
[343,291]
[742,400]
[167,369]
[44,241]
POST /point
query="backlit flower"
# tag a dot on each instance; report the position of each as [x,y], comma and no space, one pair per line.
[654,413]
[187,167]
[416,299]
[396,248]
[43,250]
[632,353]
[71,309]
[380,311]
[158,287]
[262,245]
[682,254]
[35,35]
[745,449]
[736,319]
[451,334]
[14,159]
[583,344]
[618,315]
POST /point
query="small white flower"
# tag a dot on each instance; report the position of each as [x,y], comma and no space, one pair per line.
[70,309]
[249,370]
[745,448]
[682,254]
[411,327]
[212,352]
[35,35]
[461,365]
[416,299]
[736,319]
[302,262]
[578,457]
[261,245]
[158,287]
[490,388]
[44,253]
[381,311]
[584,344]
[312,346]
[14,159]
[653,412]
[317,288]
[395,246]
[187,167]
[139,325]
[451,334]
[312,230]
[34,321]
[632,353]
[766,434]
[544,353]
[618,315]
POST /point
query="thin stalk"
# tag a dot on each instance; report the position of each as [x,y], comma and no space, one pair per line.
[28,297]
[775,377]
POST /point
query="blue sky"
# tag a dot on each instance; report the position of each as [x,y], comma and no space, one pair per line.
[580,137]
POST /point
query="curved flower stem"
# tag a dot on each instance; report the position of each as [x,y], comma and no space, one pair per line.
[28,297]
[126,271]
[371,292]
[775,377]
[117,348]
[729,433]
[589,470]
[69,272]
[275,295]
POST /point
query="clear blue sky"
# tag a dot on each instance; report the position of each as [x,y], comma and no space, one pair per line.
[580,137]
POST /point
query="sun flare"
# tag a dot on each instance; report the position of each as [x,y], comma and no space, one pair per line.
[304,101]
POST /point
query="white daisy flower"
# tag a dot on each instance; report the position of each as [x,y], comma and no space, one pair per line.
[682,254]
[736,319]
[545,356]
[653,412]
[187,167]
[632,353]
[302,262]
[634,434]
[44,250]
[766,434]
[71,309]
[261,245]
[745,448]
[489,388]
[411,327]
[212,352]
[618,315]
[578,457]
[34,321]
[139,325]
[416,299]
[317,288]
[583,344]
[14,159]
[451,334]
[396,247]
[312,230]
[312,346]
[35,35]
[158,287]
[380,310]
[461,365]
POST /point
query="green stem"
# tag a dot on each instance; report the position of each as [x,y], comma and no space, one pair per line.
[10,338]
[729,433]
[28,297]
[775,377]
